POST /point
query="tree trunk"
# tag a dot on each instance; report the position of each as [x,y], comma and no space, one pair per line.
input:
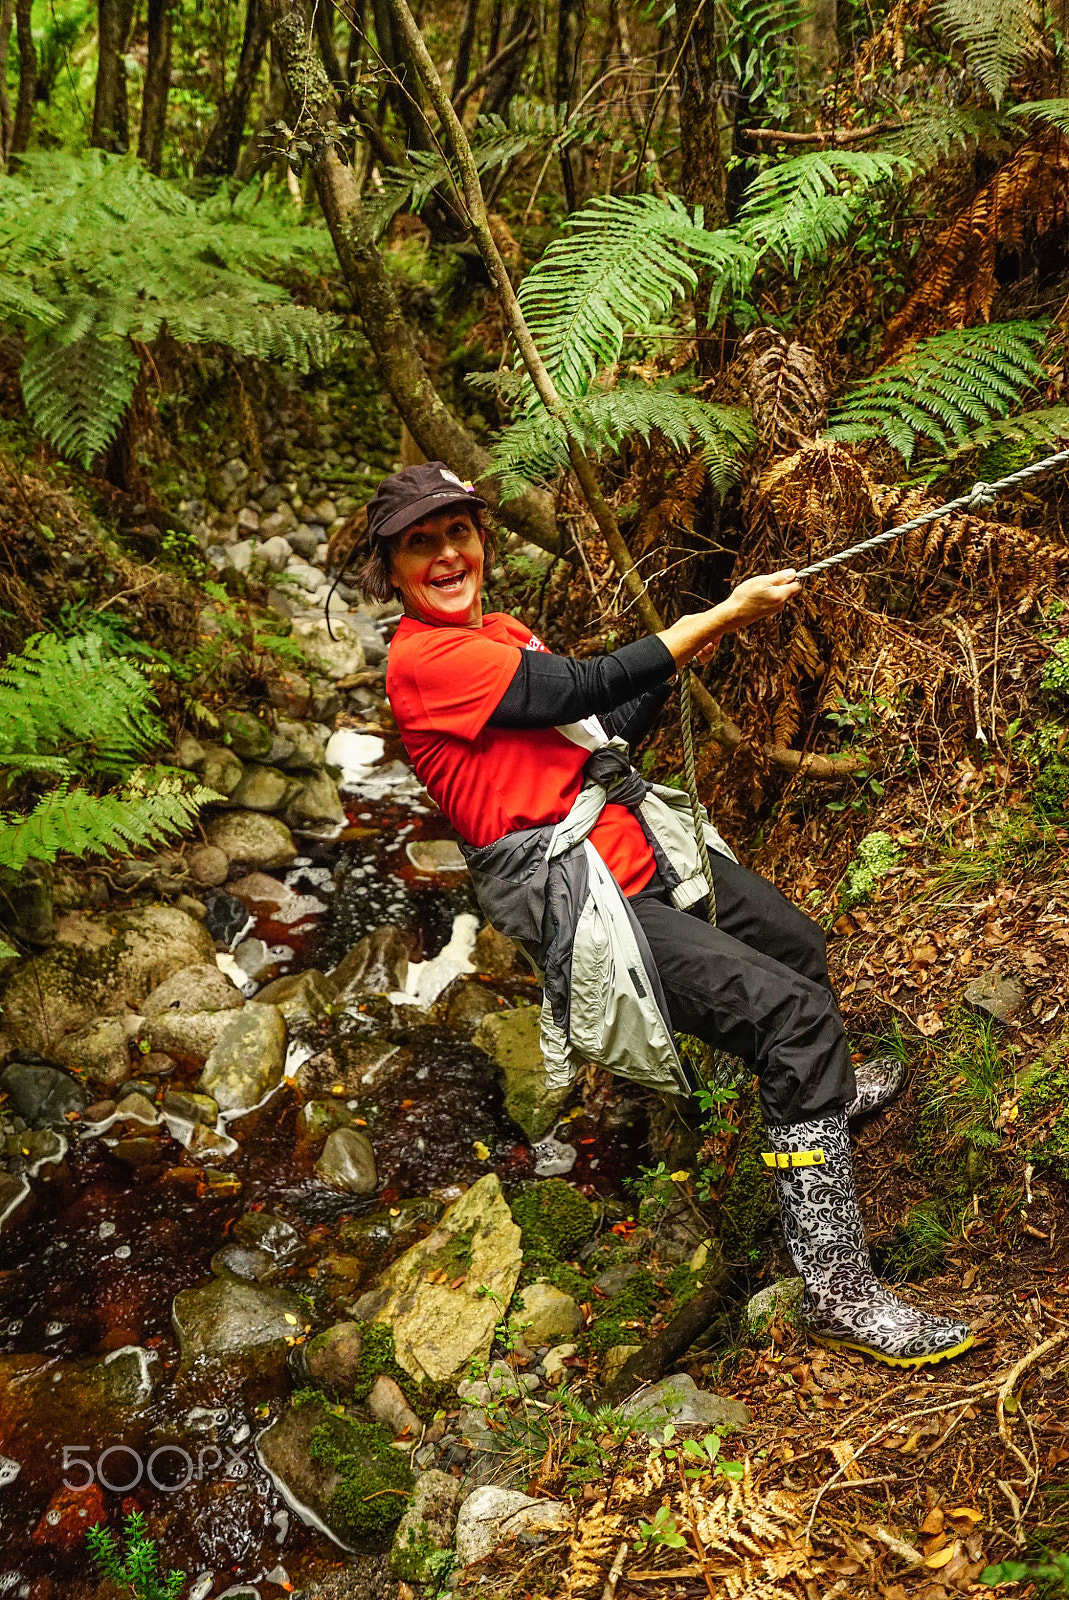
[504,83]
[699,128]
[7,116]
[20,133]
[657,1355]
[571,25]
[222,149]
[462,64]
[818,38]
[324,21]
[110,116]
[355,53]
[437,432]
[157,85]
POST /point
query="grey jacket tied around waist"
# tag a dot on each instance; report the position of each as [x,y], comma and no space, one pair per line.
[548,888]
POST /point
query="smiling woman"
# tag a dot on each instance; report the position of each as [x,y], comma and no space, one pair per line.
[572,853]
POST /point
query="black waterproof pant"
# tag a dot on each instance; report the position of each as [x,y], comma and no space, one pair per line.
[757,986]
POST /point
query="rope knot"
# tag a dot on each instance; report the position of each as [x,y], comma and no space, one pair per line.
[981,495]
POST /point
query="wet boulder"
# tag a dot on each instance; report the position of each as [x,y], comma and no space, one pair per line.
[332,1360]
[220,769]
[261,789]
[201,987]
[313,804]
[440,1326]
[100,1052]
[296,747]
[187,1036]
[348,1162]
[246,735]
[208,866]
[337,657]
[340,1475]
[511,1039]
[300,996]
[249,1059]
[377,964]
[42,1095]
[677,1399]
[251,839]
[352,1067]
[96,965]
[229,1320]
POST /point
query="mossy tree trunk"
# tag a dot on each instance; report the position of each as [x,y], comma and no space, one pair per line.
[20,133]
[7,116]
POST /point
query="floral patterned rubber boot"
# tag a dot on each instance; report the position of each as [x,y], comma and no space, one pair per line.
[878,1081]
[844,1304]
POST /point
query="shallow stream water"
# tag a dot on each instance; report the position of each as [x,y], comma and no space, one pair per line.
[95,1269]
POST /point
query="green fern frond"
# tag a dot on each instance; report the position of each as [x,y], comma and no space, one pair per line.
[935,126]
[77,822]
[619,262]
[1007,443]
[999,37]
[64,693]
[800,208]
[1055,113]
[941,389]
[535,448]
[97,251]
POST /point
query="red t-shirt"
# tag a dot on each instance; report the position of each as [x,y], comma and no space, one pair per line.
[443,685]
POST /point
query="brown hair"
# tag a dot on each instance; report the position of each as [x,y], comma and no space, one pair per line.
[374,578]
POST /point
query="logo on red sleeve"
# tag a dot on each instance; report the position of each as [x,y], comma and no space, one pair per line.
[536,644]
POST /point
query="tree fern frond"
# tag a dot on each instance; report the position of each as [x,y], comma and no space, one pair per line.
[620,261]
[759,44]
[77,394]
[1042,429]
[998,37]
[60,692]
[799,208]
[535,447]
[76,822]
[935,126]
[18,302]
[942,387]
[1055,113]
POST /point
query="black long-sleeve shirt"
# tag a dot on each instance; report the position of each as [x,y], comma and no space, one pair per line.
[625,690]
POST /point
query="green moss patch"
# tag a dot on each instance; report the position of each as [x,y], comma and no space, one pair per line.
[376,1481]
[554,1221]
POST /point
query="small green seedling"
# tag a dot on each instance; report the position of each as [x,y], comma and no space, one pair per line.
[138,1567]
[661,1531]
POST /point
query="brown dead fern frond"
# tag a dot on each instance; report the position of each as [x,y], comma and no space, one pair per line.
[594,1544]
[674,513]
[786,389]
[888,43]
[1027,198]
[819,497]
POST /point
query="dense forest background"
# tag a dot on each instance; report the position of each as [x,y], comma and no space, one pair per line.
[690,290]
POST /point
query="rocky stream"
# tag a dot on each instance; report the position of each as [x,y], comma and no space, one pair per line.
[278,1150]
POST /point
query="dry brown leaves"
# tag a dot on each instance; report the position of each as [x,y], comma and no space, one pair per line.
[786,389]
[1026,198]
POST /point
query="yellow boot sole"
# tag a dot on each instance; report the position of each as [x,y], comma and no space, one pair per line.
[893,1361]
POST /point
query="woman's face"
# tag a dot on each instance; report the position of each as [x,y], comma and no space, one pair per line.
[438,566]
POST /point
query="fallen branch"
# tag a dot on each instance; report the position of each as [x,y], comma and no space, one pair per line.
[834,136]
[470,195]
[657,1355]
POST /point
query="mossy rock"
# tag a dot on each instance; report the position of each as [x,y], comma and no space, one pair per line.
[749,1212]
[635,1303]
[555,1221]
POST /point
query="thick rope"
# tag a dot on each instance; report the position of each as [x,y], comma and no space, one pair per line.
[979,496]
[691,782]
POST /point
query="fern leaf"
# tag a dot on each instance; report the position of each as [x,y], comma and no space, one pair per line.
[800,208]
[535,447]
[60,693]
[77,394]
[1006,440]
[620,261]
[19,303]
[76,822]
[999,37]
[942,387]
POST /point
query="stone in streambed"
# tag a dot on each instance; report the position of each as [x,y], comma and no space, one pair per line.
[275,550]
[41,1095]
[545,1315]
[492,1515]
[208,866]
[261,789]
[251,839]
[300,996]
[230,1320]
[220,769]
[389,1407]
[296,747]
[187,1036]
[348,1162]
[225,917]
[436,855]
[341,1476]
[331,1360]
[377,964]
[96,965]
[100,1052]
[495,953]
[262,1230]
[201,987]
[337,657]
[246,735]
[426,1529]
[468,1004]
[438,1330]
[243,1262]
[315,804]
[191,1107]
[511,1039]
[248,1060]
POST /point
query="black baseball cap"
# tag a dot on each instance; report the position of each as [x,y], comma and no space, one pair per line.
[414,493]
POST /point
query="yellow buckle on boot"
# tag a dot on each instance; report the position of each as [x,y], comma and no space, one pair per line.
[793,1158]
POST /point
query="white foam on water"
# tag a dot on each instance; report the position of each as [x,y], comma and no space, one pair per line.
[426,979]
[9,1471]
[355,753]
[296,1056]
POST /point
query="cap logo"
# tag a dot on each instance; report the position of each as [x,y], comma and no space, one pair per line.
[451,477]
